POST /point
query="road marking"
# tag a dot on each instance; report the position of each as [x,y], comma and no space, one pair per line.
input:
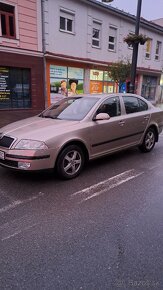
[16,203]
[18,232]
[107,184]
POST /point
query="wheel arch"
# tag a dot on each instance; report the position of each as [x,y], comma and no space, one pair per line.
[155,128]
[75,142]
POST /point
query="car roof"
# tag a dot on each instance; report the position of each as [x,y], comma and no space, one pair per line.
[103,95]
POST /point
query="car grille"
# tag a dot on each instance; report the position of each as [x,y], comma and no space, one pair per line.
[10,163]
[6,141]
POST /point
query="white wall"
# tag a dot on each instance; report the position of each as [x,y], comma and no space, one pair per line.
[79,43]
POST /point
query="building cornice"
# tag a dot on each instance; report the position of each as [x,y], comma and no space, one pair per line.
[8,49]
[132,18]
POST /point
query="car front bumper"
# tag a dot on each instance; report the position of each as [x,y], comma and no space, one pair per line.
[27,159]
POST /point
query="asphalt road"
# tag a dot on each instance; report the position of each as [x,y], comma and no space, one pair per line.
[102,230]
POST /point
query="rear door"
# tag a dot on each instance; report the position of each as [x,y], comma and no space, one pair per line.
[135,120]
[129,117]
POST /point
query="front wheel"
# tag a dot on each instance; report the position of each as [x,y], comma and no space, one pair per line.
[149,141]
[70,162]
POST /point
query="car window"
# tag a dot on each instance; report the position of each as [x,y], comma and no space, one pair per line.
[134,104]
[142,105]
[71,108]
[110,106]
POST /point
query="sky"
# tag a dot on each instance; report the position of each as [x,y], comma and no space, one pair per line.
[150,10]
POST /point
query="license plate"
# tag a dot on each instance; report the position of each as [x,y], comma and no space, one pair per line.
[2,155]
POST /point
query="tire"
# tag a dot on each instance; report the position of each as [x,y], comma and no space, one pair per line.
[149,141]
[70,162]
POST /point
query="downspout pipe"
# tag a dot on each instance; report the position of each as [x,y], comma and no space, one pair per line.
[44,51]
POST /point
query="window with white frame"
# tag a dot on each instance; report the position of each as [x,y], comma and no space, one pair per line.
[158,50]
[7,21]
[148,49]
[112,38]
[96,32]
[67,20]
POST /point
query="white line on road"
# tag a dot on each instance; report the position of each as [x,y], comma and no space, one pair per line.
[19,232]
[19,202]
[103,186]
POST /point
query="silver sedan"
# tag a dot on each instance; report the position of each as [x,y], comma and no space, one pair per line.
[78,129]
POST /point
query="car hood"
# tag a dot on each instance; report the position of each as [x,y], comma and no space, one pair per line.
[37,128]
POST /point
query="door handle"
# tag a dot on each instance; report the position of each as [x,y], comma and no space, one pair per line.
[146,117]
[121,123]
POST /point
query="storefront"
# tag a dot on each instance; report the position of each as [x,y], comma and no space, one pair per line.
[67,79]
[21,82]
[100,82]
[149,86]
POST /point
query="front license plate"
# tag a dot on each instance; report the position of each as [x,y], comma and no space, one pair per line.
[2,155]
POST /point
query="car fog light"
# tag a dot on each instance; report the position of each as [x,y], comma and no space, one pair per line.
[24,165]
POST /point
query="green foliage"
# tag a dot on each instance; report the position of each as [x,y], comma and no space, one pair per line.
[120,71]
[130,39]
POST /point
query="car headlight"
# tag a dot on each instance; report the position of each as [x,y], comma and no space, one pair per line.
[30,144]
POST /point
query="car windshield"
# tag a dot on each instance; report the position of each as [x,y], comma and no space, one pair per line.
[75,108]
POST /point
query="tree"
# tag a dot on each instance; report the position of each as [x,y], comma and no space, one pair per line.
[120,71]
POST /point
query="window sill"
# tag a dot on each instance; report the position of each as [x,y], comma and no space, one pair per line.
[9,40]
[112,50]
[65,31]
[97,47]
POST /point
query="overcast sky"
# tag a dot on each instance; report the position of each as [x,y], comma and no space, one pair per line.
[151,9]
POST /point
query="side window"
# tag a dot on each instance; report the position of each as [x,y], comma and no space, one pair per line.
[67,21]
[7,21]
[133,105]
[112,38]
[110,106]
[142,105]
[96,34]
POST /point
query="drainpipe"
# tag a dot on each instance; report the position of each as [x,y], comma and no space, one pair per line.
[44,51]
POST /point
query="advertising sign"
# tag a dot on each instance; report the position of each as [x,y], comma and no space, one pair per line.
[4,85]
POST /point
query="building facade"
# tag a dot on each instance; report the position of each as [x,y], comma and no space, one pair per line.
[21,57]
[82,38]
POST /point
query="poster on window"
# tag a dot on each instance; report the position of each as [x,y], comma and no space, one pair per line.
[58,71]
[65,81]
[96,75]
[96,87]
[4,84]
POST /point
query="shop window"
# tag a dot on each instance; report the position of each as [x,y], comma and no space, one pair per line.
[15,88]
[96,31]
[65,81]
[158,50]
[67,21]
[7,21]
[112,38]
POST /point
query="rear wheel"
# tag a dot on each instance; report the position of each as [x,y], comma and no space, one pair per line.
[149,141]
[70,162]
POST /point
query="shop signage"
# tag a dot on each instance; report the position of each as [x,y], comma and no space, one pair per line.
[4,86]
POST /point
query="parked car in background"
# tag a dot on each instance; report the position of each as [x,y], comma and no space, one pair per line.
[77,129]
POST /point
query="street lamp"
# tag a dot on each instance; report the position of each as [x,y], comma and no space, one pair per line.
[135,46]
[135,49]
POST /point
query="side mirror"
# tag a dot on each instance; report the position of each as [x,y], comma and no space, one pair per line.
[101,116]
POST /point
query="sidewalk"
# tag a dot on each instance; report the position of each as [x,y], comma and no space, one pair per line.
[160,106]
